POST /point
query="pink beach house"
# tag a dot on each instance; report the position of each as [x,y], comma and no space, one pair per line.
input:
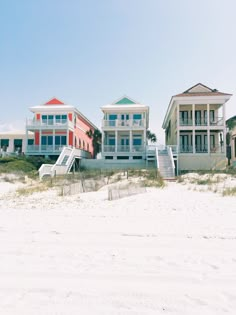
[55,125]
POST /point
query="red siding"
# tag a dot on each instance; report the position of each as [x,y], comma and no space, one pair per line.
[70,116]
[82,140]
[70,138]
[36,137]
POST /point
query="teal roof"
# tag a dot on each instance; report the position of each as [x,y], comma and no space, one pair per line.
[125,100]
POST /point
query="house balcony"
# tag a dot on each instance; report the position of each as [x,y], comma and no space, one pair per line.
[32,124]
[203,149]
[217,121]
[44,149]
[123,148]
[123,124]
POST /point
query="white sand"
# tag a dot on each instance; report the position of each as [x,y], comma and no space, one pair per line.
[168,251]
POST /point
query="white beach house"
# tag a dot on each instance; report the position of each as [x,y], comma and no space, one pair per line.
[124,128]
[195,122]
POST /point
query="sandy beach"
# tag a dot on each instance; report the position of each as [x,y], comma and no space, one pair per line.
[170,250]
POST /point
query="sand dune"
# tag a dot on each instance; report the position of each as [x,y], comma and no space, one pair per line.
[166,251]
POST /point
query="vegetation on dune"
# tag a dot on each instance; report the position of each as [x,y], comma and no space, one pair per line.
[25,165]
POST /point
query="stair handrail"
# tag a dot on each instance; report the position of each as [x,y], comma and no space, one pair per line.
[169,149]
[157,159]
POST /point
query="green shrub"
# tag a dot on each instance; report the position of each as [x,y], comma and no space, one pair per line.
[17,166]
[229,191]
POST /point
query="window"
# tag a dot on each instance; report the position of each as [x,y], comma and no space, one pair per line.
[137,116]
[137,141]
[111,141]
[112,120]
[198,120]
[183,116]
[47,119]
[30,141]
[4,143]
[60,140]
[61,119]
[46,140]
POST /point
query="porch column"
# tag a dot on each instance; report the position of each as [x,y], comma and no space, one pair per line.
[223,112]
[194,149]
[25,147]
[208,130]
[193,115]
[224,126]
[53,140]
[11,145]
[40,137]
[177,113]
[208,115]
[103,139]
[130,141]
[116,140]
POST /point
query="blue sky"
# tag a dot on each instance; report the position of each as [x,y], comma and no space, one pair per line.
[89,53]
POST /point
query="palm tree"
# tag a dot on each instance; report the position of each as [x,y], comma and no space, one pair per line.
[96,137]
[151,136]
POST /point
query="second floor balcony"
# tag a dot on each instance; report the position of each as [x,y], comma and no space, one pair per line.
[126,124]
[217,121]
[34,124]
[123,148]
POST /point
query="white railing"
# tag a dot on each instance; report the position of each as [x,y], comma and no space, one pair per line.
[186,122]
[63,163]
[157,160]
[202,121]
[123,148]
[169,149]
[218,121]
[201,149]
[109,148]
[123,123]
[44,148]
[49,123]
[137,148]
[45,169]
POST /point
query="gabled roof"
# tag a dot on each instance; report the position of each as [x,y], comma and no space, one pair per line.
[54,101]
[124,100]
[200,89]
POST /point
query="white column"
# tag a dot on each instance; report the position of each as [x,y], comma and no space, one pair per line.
[11,145]
[116,140]
[208,129]
[177,113]
[130,141]
[53,140]
[194,149]
[40,134]
[25,142]
[223,112]
[208,115]
[208,141]
[193,114]
[103,139]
